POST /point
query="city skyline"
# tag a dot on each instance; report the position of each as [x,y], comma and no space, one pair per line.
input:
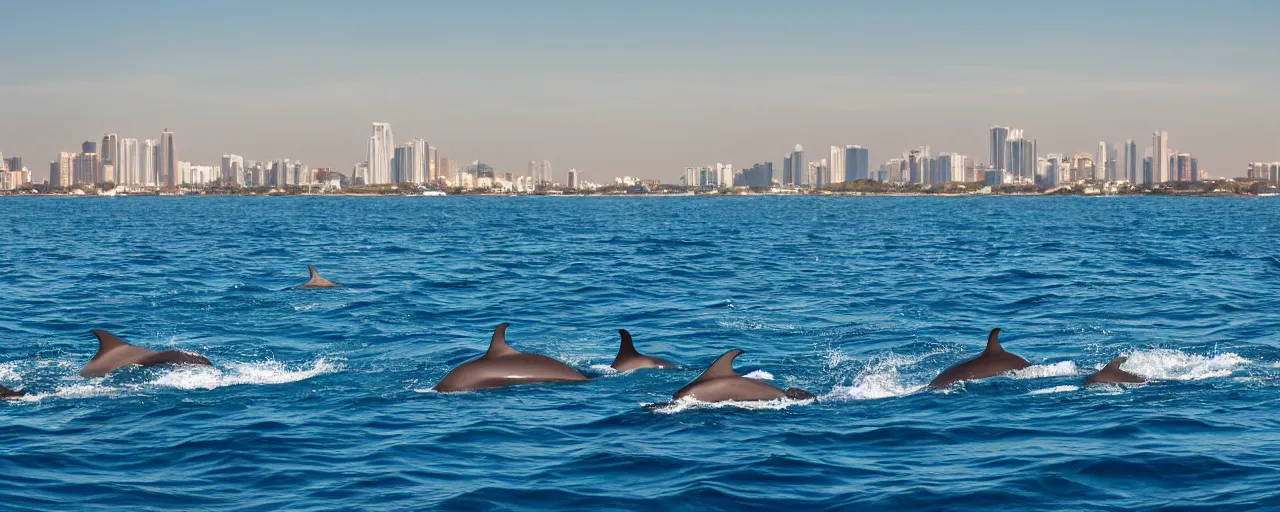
[643,90]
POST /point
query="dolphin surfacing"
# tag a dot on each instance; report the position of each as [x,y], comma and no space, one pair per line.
[720,383]
[114,354]
[504,366]
[1112,374]
[630,359]
[993,361]
[9,394]
[316,281]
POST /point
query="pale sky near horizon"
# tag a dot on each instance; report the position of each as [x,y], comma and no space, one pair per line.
[638,88]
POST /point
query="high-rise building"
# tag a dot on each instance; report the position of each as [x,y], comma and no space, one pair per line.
[798,169]
[758,176]
[836,166]
[110,155]
[1100,163]
[724,175]
[233,169]
[418,166]
[856,163]
[1020,156]
[788,176]
[128,163]
[916,166]
[999,147]
[1148,171]
[950,167]
[1053,171]
[13,163]
[401,161]
[1182,167]
[85,169]
[815,174]
[575,180]
[168,160]
[433,164]
[1160,156]
[60,170]
[1132,172]
[381,149]
[89,147]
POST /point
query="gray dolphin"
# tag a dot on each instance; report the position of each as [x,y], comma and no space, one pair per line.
[9,394]
[114,354]
[1112,374]
[720,383]
[505,366]
[317,281]
[629,359]
[993,361]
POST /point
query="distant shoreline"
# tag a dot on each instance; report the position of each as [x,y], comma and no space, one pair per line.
[845,195]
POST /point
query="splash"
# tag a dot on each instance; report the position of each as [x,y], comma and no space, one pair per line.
[1170,364]
[1040,371]
[759,375]
[606,370]
[9,372]
[879,379]
[264,372]
[1055,389]
[77,391]
[688,403]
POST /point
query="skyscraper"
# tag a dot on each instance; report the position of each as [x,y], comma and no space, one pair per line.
[1160,156]
[856,163]
[110,155]
[798,169]
[836,165]
[64,166]
[13,163]
[150,156]
[433,164]
[575,180]
[916,166]
[381,147]
[999,156]
[1100,171]
[233,169]
[168,159]
[401,161]
[127,166]
[788,177]
[1131,170]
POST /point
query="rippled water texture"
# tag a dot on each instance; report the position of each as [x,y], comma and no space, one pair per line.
[320,399]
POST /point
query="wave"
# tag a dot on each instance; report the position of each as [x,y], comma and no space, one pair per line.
[1041,371]
[263,372]
[1171,364]
[1055,389]
[9,372]
[689,403]
[880,378]
[759,375]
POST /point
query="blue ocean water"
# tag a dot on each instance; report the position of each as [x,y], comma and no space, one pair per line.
[321,400]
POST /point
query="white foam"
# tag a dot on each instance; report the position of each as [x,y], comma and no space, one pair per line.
[835,358]
[606,370]
[1055,389]
[759,375]
[75,391]
[1169,364]
[880,379]
[425,390]
[9,372]
[1040,371]
[263,372]
[688,403]
[739,325]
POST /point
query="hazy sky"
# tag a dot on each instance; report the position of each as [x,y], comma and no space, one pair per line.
[639,88]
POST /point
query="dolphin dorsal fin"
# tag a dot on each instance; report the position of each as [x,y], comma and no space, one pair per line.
[106,342]
[498,345]
[313,271]
[723,367]
[1115,363]
[993,343]
[628,348]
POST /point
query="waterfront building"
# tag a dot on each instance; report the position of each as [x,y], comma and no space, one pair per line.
[999,139]
[836,166]
[798,169]
[168,159]
[381,147]
[1160,156]
[856,162]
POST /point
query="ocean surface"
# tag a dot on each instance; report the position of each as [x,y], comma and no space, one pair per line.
[322,400]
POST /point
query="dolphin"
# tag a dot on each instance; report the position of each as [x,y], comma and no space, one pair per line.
[317,281]
[114,354]
[9,394]
[720,383]
[993,361]
[629,359]
[505,366]
[1112,374]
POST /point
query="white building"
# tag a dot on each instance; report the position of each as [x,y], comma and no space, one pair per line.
[575,179]
[1160,156]
[836,165]
[233,169]
[381,147]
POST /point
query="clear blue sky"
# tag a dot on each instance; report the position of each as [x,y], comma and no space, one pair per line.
[638,88]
